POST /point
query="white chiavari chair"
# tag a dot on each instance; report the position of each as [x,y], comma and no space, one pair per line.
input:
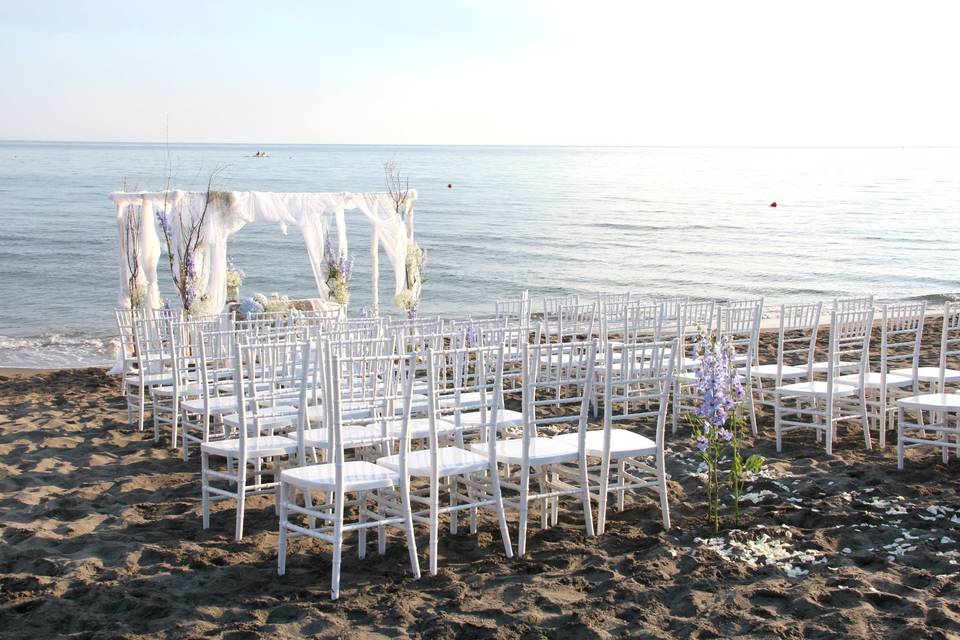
[152,337]
[461,479]
[514,310]
[901,329]
[126,318]
[796,346]
[217,360]
[562,375]
[338,478]
[930,419]
[819,404]
[636,386]
[266,377]
[940,375]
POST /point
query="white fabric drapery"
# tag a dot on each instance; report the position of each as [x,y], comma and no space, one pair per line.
[230,211]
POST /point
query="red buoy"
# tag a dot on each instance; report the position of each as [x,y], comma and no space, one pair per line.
[449,186]
[773,204]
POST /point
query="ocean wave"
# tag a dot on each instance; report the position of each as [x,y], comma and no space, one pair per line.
[57,350]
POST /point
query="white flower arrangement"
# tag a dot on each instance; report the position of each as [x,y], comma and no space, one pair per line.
[274,304]
[138,295]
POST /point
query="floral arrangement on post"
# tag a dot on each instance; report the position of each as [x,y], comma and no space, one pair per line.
[186,276]
[132,232]
[409,298]
[339,272]
[719,423]
[234,280]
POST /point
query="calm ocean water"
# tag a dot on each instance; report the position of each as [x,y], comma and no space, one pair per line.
[550,219]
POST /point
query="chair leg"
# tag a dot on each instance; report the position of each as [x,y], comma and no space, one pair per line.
[776,421]
[408,527]
[241,497]
[282,544]
[664,495]
[524,508]
[900,450]
[174,421]
[362,532]
[753,410]
[621,473]
[337,544]
[451,483]
[585,492]
[381,530]
[204,488]
[141,408]
[434,524]
[602,496]
[866,419]
[501,512]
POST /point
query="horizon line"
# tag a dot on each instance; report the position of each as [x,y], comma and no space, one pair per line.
[512,145]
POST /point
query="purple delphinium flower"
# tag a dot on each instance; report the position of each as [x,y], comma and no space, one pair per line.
[412,312]
[726,434]
[191,265]
[164,223]
[715,381]
[472,336]
[702,443]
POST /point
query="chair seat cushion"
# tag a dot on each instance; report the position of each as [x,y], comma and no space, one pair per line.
[929,374]
[872,379]
[450,461]
[218,405]
[623,443]
[932,401]
[542,451]
[472,419]
[816,388]
[843,365]
[419,427]
[770,371]
[151,379]
[256,447]
[358,475]
[354,435]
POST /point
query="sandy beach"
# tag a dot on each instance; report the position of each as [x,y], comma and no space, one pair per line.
[101,538]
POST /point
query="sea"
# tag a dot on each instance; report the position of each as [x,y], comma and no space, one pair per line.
[495,220]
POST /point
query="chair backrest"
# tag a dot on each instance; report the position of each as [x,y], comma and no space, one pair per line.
[860,303]
[671,306]
[694,317]
[849,342]
[640,321]
[572,322]
[561,376]
[901,331]
[797,336]
[552,304]
[471,378]
[269,377]
[949,337]
[217,360]
[740,322]
[379,383]
[153,337]
[637,384]
[126,318]
[514,310]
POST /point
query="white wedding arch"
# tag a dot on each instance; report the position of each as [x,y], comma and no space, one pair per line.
[217,215]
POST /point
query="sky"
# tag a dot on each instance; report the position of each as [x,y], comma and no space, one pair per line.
[641,73]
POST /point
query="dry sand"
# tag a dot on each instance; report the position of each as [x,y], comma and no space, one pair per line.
[101,537]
